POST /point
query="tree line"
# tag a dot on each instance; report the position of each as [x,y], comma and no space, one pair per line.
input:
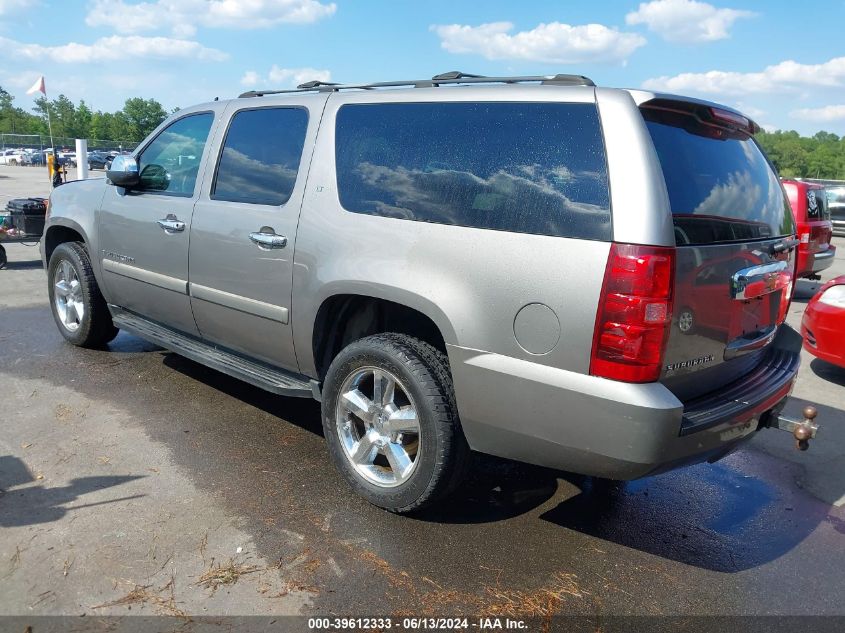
[130,124]
[819,156]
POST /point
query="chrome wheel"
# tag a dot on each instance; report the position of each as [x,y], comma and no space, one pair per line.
[67,296]
[685,321]
[377,424]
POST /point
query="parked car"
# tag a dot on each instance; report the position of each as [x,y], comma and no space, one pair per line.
[812,216]
[481,267]
[836,204]
[823,323]
[97,160]
[68,158]
[14,157]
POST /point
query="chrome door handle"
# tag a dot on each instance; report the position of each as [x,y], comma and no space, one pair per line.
[266,239]
[170,224]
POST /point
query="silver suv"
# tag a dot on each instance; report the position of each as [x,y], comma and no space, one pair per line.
[584,278]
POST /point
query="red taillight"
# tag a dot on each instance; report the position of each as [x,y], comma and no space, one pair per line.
[634,314]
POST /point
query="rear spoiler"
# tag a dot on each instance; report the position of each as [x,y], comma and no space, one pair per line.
[706,112]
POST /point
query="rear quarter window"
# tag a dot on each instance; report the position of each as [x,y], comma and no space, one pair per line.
[523,167]
[721,186]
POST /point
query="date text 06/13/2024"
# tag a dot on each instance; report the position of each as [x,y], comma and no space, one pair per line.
[416,624]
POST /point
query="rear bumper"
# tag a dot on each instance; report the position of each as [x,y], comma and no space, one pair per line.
[814,263]
[823,260]
[559,419]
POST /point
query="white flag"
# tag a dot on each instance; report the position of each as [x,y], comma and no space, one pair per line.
[38,86]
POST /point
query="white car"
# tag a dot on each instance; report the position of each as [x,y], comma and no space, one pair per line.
[14,157]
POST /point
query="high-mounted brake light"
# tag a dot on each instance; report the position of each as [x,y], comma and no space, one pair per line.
[634,313]
[726,116]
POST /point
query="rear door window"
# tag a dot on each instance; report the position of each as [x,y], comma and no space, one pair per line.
[721,187]
[522,167]
[260,156]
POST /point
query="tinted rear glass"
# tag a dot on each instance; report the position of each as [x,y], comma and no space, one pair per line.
[523,167]
[260,157]
[817,205]
[721,187]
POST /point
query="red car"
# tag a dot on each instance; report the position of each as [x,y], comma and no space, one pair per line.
[814,228]
[823,324]
[701,299]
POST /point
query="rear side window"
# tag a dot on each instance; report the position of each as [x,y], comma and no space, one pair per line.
[817,208]
[721,186]
[260,157]
[522,167]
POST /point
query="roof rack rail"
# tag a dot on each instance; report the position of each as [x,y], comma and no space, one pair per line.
[310,85]
[451,77]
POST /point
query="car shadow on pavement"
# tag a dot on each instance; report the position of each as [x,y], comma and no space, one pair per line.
[24,265]
[731,521]
[495,490]
[32,505]
[302,412]
[829,372]
[805,289]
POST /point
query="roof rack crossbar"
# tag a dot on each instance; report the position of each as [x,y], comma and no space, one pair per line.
[452,77]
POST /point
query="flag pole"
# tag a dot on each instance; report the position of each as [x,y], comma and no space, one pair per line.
[49,124]
[41,86]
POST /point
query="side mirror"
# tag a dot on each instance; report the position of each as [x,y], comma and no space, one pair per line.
[123,172]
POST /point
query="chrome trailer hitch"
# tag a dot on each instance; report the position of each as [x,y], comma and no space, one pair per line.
[802,430]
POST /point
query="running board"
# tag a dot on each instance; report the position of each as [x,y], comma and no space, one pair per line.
[270,378]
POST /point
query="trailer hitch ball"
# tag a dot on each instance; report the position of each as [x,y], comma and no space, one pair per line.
[804,431]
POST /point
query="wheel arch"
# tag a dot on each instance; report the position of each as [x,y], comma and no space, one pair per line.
[61,230]
[345,317]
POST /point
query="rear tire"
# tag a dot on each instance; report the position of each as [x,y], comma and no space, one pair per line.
[78,306]
[400,447]
[3,259]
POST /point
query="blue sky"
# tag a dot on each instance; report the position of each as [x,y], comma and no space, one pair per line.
[782,65]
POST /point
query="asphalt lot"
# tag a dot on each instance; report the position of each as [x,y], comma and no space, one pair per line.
[136,481]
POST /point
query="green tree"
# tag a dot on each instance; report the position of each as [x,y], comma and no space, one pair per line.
[82,121]
[143,115]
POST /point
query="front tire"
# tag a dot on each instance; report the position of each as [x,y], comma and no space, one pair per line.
[391,422]
[77,304]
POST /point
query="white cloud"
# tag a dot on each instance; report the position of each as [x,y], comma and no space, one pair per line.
[9,6]
[749,110]
[284,77]
[820,115]
[554,42]
[785,76]
[686,21]
[112,48]
[250,79]
[183,16]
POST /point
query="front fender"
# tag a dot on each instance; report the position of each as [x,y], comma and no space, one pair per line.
[74,206]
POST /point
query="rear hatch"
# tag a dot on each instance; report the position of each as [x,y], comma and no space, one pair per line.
[734,235]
